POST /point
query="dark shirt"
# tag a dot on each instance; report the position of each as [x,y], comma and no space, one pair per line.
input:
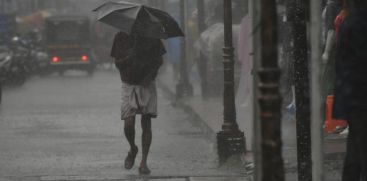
[351,66]
[137,58]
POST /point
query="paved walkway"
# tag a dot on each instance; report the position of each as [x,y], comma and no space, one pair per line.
[68,128]
[208,114]
[150,178]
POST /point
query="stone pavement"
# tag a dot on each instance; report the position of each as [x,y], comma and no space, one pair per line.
[150,178]
[208,114]
[68,128]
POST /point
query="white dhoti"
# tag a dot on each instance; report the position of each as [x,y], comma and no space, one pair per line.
[138,99]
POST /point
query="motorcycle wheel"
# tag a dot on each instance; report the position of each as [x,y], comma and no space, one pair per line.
[90,72]
[19,80]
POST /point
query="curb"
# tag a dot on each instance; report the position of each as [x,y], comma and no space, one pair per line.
[140,178]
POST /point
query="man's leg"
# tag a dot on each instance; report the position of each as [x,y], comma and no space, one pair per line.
[146,125]
[129,130]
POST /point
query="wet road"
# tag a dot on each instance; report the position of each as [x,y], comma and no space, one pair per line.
[69,126]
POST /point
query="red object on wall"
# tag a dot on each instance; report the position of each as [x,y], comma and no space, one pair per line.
[332,125]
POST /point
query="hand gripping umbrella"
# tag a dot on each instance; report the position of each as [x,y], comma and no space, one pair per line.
[136,18]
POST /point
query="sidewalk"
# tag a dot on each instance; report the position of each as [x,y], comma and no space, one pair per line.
[148,178]
[68,144]
[208,115]
[78,135]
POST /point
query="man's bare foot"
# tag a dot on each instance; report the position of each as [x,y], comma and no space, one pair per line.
[130,159]
[144,170]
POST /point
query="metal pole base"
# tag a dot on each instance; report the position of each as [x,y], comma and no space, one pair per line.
[229,144]
[184,90]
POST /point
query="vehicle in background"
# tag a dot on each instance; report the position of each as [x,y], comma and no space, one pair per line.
[68,45]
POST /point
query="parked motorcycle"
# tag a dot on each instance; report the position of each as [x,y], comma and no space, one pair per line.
[38,57]
[38,61]
[15,65]
[4,65]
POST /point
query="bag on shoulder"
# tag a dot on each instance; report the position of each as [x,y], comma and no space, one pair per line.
[134,67]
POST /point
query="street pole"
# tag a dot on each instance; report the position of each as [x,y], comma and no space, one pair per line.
[302,89]
[269,95]
[150,3]
[161,4]
[231,141]
[33,4]
[183,88]
[255,17]
[202,61]
[157,4]
[153,3]
[316,104]
[255,13]
[36,4]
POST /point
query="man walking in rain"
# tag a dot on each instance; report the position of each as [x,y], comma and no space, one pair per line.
[138,51]
[138,60]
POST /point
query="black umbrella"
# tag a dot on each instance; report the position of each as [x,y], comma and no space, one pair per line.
[140,19]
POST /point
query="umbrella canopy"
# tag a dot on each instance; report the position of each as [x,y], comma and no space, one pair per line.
[140,19]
